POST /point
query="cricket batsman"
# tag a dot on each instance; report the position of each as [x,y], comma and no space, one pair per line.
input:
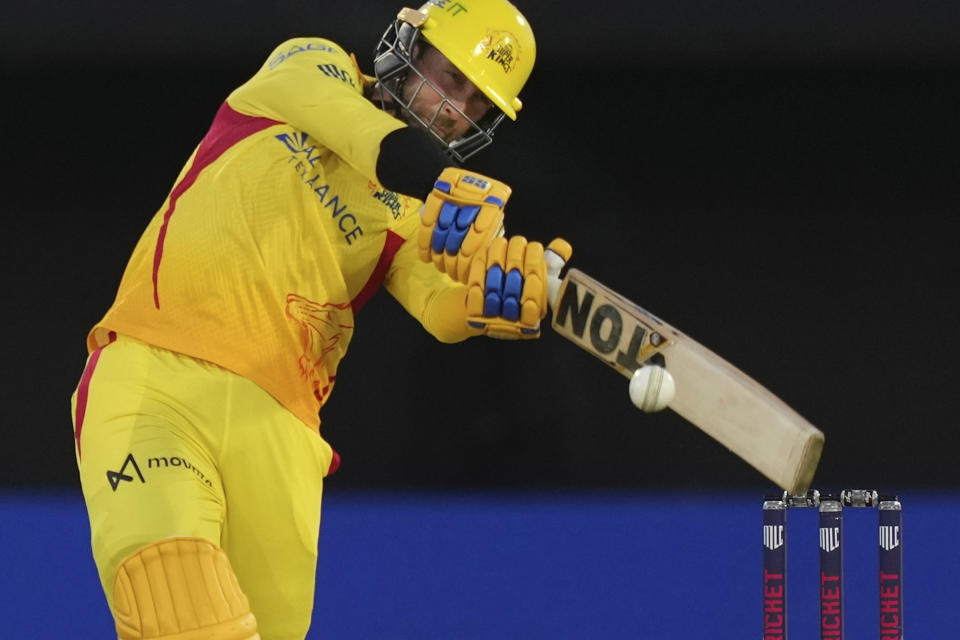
[196,417]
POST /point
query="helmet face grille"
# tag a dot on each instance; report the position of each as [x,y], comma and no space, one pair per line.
[394,67]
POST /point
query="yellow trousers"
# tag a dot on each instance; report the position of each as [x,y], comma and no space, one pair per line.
[168,445]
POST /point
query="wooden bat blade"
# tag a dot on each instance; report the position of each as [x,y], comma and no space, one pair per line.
[711,393]
[744,416]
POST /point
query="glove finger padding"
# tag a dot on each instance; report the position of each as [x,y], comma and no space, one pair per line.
[507,292]
[534,302]
[460,217]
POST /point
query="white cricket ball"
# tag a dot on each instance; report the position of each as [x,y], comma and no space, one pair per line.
[651,388]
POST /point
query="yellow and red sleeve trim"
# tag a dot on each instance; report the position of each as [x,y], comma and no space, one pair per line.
[390,247]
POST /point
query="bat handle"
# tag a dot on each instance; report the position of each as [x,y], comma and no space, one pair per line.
[555,264]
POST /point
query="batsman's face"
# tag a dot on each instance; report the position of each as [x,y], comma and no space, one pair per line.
[455,90]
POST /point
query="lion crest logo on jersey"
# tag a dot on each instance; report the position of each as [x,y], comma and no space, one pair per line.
[324,335]
[502,48]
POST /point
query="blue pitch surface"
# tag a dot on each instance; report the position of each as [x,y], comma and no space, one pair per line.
[525,565]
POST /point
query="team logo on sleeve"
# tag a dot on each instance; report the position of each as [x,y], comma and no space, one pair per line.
[395,203]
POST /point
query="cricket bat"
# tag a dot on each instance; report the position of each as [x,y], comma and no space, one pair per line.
[711,393]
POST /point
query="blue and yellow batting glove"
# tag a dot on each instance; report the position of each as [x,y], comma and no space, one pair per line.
[460,218]
[507,291]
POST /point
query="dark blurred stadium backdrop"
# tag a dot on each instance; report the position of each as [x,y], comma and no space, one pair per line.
[779,180]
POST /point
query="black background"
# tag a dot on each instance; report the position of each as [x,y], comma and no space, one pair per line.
[779,180]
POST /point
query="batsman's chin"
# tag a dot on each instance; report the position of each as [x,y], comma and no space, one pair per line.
[447,135]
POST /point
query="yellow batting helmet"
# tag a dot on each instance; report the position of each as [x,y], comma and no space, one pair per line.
[489,41]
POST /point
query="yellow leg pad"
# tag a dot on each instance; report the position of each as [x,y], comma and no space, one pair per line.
[181,589]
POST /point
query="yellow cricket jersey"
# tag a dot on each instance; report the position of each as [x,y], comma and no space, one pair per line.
[277,231]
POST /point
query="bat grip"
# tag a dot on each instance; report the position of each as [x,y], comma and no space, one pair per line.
[555,264]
